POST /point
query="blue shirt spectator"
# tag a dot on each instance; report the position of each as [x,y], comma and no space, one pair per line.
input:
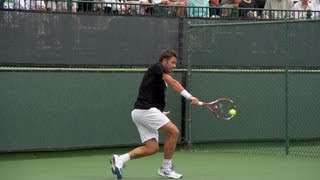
[198,8]
[1,4]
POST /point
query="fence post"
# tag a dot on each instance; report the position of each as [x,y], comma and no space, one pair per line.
[287,138]
[188,86]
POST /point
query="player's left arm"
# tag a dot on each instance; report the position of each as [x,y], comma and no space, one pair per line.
[176,86]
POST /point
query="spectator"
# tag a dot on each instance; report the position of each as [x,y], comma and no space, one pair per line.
[29,5]
[224,2]
[277,9]
[231,10]
[198,8]
[260,4]
[60,6]
[2,4]
[57,6]
[214,8]
[6,4]
[117,7]
[316,4]
[180,11]
[98,6]
[303,10]
[85,6]
[248,13]
[146,7]
[74,7]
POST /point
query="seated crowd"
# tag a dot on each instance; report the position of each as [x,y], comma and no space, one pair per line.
[247,9]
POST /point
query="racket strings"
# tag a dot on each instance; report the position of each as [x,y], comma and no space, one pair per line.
[222,108]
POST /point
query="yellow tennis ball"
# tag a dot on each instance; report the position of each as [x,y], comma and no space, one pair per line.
[232,112]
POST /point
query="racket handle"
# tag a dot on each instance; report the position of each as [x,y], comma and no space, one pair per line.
[200,103]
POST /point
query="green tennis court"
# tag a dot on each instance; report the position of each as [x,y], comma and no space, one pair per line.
[93,165]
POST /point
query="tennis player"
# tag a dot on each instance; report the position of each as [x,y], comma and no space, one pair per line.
[149,116]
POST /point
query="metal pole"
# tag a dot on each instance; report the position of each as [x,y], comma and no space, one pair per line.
[287,138]
[189,119]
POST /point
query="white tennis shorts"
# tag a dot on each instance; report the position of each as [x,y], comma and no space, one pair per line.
[148,121]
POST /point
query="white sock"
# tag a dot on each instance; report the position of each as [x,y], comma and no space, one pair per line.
[125,157]
[167,163]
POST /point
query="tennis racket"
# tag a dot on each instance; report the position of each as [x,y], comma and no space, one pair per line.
[221,108]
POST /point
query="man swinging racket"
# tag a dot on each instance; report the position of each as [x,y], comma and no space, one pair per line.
[150,119]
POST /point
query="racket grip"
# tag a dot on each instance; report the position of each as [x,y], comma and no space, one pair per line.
[200,103]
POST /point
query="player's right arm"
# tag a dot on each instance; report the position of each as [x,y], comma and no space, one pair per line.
[176,86]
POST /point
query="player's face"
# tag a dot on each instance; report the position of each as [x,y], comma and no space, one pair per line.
[170,63]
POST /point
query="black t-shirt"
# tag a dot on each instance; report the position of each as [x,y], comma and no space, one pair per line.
[244,12]
[152,89]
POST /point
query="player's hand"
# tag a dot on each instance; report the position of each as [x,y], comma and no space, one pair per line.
[194,100]
[166,112]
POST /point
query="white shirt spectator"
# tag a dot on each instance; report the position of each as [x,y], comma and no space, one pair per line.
[29,4]
[119,6]
[306,6]
[278,9]
[8,4]
[157,1]
[316,4]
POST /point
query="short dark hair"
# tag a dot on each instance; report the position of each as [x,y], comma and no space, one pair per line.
[167,54]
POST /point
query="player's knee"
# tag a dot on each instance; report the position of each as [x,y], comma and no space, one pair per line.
[152,148]
[171,130]
[175,133]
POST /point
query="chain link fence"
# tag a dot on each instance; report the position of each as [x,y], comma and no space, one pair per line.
[269,68]
[272,72]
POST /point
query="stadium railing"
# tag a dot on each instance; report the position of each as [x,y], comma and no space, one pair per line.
[135,8]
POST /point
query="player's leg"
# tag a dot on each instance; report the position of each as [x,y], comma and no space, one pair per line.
[117,165]
[172,134]
[171,138]
[147,122]
[150,147]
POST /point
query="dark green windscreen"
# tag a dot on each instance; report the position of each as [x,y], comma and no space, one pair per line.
[60,110]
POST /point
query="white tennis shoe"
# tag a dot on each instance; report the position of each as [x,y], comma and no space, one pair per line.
[117,165]
[169,173]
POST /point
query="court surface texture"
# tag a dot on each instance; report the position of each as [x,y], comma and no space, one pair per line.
[94,165]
